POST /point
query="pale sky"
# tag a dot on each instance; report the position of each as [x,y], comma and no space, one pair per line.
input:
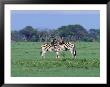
[54,19]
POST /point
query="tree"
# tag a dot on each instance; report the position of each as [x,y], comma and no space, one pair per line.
[15,36]
[68,32]
[94,34]
[29,32]
[72,32]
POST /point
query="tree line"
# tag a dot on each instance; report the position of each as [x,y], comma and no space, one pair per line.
[69,33]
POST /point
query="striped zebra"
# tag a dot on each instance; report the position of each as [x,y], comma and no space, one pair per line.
[57,48]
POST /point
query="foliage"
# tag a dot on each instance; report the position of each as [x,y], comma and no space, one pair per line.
[29,33]
[68,32]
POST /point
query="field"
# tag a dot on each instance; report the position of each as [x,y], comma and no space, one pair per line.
[26,61]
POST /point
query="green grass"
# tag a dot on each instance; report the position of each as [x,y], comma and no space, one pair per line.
[26,61]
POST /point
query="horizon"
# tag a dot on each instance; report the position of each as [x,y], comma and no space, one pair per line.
[43,29]
[53,19]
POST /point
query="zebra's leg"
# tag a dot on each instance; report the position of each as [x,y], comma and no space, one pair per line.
[43,54]
[57,55]
[73,52]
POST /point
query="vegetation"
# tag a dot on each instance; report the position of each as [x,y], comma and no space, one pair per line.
[26,61]
[69,33]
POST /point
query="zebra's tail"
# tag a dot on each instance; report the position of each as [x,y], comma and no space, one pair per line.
[74,52]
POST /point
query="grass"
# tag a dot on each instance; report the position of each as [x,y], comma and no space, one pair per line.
[26,61]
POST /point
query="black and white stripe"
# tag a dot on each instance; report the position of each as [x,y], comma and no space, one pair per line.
[57,48]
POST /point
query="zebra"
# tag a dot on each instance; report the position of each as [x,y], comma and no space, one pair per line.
[57,48]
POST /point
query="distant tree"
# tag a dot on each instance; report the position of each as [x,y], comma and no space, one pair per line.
[72,32]
[94,34]
[29,32]
[68,32]
[15,36]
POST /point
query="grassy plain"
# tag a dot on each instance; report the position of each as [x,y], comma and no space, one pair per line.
[26,61]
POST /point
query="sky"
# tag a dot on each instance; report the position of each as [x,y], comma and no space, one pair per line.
[52,19]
